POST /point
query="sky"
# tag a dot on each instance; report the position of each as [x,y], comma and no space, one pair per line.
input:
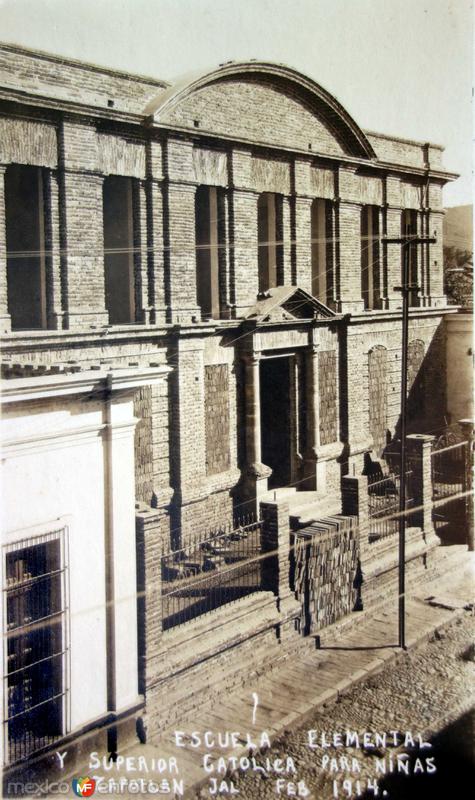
[402,67]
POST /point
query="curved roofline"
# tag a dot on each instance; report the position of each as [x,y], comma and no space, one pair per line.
[191,82]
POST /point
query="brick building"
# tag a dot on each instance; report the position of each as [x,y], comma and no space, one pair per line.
[194,276]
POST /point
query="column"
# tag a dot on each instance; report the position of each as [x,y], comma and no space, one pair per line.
[257,473]
[419,460]
[313,419]
[5,320]
[275,540]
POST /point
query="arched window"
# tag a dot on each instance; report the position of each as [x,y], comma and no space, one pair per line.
[25,235]
[119,249]
[370,257]
[270,244]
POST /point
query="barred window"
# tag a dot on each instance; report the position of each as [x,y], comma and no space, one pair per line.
[35,677]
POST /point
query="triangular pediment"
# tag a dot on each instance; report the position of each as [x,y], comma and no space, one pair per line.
[284,303]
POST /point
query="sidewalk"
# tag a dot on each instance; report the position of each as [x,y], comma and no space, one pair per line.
[312,677]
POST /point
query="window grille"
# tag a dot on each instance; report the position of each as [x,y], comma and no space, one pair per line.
[36,644]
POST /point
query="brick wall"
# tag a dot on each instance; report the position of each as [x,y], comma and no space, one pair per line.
[217,418]
[255,109]
[69,80]
[378,396]
[143,444]
[327,386]
[326,577]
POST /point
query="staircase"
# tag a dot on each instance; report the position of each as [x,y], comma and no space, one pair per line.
[304,507]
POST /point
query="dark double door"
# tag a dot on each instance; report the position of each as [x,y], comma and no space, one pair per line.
[276,419]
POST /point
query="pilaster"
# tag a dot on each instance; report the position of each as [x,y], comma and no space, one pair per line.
[180,253]
[303,243]
[246,274]
[393,230]
[350,300]
[53,249]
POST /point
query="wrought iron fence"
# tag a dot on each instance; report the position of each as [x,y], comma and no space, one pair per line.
[383,503]
[211,572]
[449,465]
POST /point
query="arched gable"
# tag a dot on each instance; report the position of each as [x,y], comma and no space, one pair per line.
[262,103]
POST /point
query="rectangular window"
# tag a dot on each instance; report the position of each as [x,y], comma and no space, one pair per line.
[208,242]
[409,227]
[25,235]
[269,238]
[119,249]
[370,257]
[35,631]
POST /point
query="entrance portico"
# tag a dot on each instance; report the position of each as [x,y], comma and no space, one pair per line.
[281,392]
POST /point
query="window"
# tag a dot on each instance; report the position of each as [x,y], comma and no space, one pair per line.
[119,249]
[25,234]
[208,253]
[269,238]
[409,227]
[322,250]
[370,257]
[36,647]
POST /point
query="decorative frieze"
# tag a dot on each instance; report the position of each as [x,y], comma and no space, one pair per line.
[270,175]
[210,167]
[25,142]
[322,183]
[118,156]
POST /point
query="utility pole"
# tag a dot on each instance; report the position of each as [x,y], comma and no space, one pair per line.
[407,241]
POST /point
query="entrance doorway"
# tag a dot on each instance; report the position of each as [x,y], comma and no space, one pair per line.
[275,419]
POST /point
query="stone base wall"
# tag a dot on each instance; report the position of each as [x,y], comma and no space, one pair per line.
[203,660]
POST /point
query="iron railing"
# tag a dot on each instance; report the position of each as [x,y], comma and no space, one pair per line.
[211,572]
[383,505]
[449,465]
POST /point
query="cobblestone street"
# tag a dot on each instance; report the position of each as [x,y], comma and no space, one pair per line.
[428,692]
